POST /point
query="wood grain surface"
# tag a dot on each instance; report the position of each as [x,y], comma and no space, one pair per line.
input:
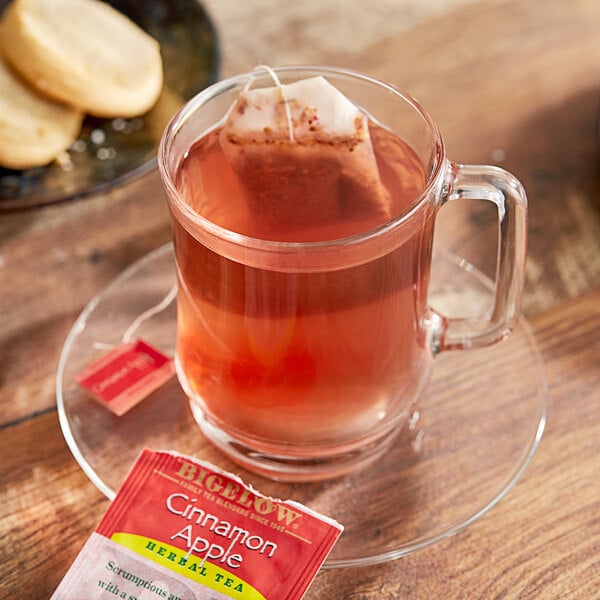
[510,82]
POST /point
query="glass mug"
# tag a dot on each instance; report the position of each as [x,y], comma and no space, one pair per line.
[302,359]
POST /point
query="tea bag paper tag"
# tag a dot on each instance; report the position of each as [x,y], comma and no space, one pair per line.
[303,153]
[183,528]
[126,375]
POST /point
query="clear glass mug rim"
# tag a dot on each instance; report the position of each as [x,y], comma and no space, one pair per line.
[238,239]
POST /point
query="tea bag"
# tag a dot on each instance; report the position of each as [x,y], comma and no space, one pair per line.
[303,154]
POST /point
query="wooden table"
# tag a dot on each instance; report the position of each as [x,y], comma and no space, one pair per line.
[510,82]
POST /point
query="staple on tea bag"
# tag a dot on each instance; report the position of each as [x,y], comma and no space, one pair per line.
[303,154]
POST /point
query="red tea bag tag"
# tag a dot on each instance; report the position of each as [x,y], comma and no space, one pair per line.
[181,528]
[126,375]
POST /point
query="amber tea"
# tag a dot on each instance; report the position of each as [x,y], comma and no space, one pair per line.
[325,355]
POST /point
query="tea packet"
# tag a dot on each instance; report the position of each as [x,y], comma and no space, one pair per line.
[303,154]
[182,529]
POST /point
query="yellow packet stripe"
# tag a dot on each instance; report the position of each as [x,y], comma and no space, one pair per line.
[207,574]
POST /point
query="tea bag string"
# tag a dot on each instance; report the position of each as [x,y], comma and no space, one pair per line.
[148,314]
[282,91]
[141,319]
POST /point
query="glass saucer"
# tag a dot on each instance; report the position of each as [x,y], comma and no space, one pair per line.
[472,434]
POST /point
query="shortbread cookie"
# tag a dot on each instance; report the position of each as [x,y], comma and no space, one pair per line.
[33,129]
[85,53]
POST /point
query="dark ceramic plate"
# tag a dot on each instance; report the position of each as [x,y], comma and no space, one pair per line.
[110,152]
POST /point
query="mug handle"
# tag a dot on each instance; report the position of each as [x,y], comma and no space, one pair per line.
[493,184]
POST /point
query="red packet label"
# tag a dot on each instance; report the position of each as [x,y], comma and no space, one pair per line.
[183,529]
[126,375]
